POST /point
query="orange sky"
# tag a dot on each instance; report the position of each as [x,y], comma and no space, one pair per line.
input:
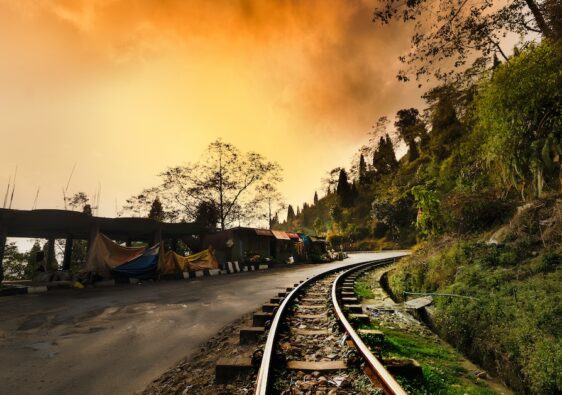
[126,88]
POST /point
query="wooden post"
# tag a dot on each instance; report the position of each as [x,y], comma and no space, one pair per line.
[67,253]
[51,254]
[2,248]
[128,242]
[175,245]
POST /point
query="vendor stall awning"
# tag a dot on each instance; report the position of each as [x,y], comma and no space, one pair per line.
[280,235]
[293,235]
[263,232]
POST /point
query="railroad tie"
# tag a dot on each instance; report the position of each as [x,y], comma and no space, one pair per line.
[354,308]
[251,334]
[269,307]
[228,370]
[314,366]
[260,318]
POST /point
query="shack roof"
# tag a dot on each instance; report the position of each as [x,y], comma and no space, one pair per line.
[280,235]
[64,223]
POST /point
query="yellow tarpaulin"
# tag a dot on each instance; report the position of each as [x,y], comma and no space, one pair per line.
[171,261]
[104,255]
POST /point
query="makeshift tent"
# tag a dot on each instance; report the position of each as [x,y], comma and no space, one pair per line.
[105,255]
[171,261]
[143,267]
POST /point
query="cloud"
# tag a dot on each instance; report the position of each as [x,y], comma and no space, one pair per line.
[327,59]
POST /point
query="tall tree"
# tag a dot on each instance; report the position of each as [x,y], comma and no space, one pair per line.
[410,127]
[446,127]
[384,158]
[362,170]
[344,189]
[315,198]
[464,33]
[290,213]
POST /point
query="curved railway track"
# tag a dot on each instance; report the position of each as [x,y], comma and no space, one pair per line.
[311,335]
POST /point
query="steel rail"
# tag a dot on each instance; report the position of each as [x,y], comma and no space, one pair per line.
[389,384]
[263,378]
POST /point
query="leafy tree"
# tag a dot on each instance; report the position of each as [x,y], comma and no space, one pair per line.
[454,32]
[140,205]
[207,215]
[446,128]
[519,114]
[78,201]
[318,225]
[428,221]
[268,203]
[410,128]
[15,262]
[225,177]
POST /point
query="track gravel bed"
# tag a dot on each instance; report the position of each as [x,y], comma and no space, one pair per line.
[311,333]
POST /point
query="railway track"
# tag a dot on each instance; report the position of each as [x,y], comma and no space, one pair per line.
[313,348]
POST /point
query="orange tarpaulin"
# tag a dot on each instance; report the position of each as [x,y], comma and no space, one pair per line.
[104,255]
[171,261]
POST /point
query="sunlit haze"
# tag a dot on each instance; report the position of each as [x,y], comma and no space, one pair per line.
[125,89]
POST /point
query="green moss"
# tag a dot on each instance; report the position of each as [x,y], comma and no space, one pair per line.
[363,290]
[442,368]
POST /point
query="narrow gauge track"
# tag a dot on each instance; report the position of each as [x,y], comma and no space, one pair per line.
[310,336]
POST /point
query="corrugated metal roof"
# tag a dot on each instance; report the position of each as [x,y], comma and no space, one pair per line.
[263,232]
[293,235]
[280,235]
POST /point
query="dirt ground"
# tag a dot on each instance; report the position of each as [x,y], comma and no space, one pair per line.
[117,340]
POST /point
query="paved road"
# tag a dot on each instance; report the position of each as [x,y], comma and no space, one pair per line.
[116,340]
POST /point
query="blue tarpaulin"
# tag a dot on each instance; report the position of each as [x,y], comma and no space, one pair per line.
[143,267]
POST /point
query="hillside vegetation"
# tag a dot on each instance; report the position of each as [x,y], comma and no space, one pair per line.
[478,195]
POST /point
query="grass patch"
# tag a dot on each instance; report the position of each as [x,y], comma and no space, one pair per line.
[363,290]
[442,368]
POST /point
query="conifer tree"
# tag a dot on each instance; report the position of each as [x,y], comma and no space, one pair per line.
[315,198]
[290,213]
[362,170]
[156,211]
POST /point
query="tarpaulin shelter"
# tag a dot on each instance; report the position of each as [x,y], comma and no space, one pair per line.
[143,267]
[171,262]
[105,255]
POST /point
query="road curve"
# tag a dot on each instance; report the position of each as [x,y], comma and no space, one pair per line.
[116,340]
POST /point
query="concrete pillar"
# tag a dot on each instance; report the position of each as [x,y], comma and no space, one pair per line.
[3,236]
[93,233]
[51,255]
[67,253]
